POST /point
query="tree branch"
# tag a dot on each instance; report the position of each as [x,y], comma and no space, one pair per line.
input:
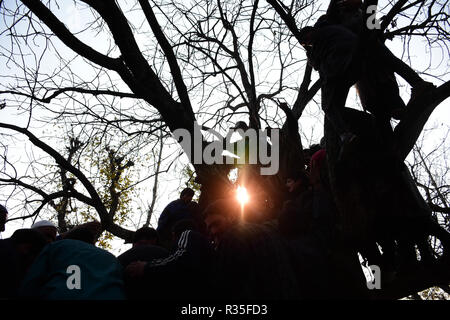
[142,75]
[414,280]
[48,99]
[155,184]
[60,30]
[50,197]
[437,208]
[287,18]
[97,203]
[418,112]
[170,56]
[305,95]
[250,52]
[249,90]
[396,9]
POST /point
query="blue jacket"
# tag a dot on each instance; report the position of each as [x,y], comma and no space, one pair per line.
[67,263]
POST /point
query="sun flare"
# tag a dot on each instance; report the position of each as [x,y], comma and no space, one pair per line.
[242,195]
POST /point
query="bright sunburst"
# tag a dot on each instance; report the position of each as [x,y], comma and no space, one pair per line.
[242,195]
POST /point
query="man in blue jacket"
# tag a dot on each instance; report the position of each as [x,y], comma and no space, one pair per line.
[175,211]
[74,269]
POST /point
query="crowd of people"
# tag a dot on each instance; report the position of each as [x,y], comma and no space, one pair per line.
[194,254]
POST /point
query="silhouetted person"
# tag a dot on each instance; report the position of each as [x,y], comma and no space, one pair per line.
[197,217]
[183,274]
[145,236]
[47,228]
[307,154]
[252,260]
[81,234]
[333,50]
[3,217]
[74,269]
[307,222]
[347,13]
[93,227]
[296,215]
[377,86]
[324,208]
[17,254]
[183,225]
[173,212]
[145,249]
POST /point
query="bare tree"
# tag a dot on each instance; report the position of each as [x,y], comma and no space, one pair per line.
[131,70]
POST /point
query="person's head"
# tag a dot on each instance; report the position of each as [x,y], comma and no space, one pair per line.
[314,148]
[220,216]
[145,236]
[47,229]
[3,217]
[181,226]
[297,181]
[318,158]
[322,143]
[28,244]
[240,125]
[305,36]
[336,6]
[81,234]
[88,232]
[186,195]
[307,153]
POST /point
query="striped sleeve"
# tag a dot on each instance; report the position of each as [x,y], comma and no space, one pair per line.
[182,246]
